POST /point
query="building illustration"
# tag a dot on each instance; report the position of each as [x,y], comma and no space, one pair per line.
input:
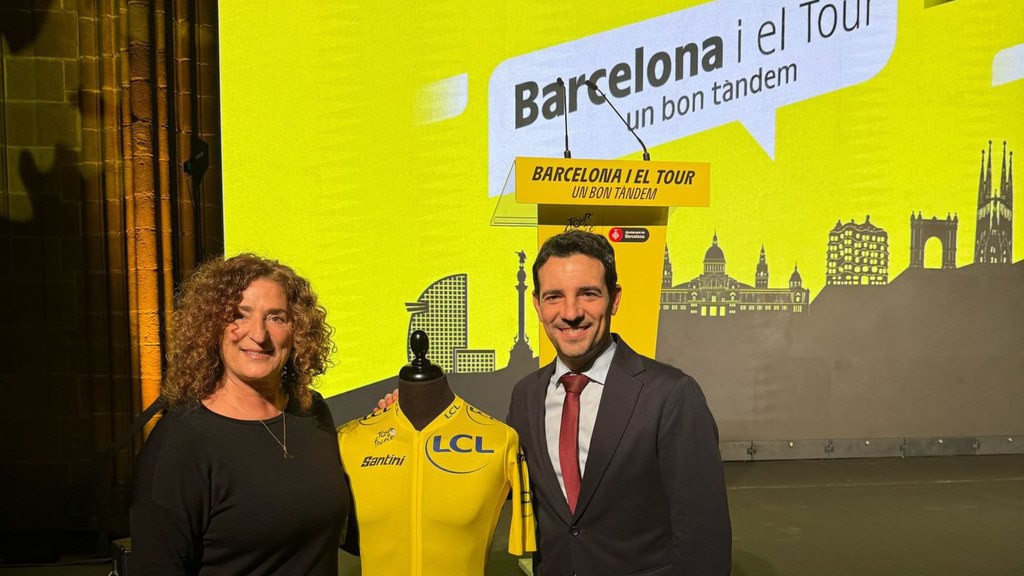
[521,352]
[858,255]
[442,312]
[922,229]
[715,293]
[993,240]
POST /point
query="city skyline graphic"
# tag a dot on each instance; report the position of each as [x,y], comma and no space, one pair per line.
[857,255]
[870,356]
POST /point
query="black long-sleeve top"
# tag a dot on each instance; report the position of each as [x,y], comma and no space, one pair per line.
[215,495]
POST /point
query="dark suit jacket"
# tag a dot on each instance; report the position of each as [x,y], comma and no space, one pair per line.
[652,500]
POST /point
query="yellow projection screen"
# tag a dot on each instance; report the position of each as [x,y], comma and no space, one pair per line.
[852,144]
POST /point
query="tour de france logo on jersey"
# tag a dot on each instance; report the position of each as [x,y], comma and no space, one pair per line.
[454,453]
[385,436]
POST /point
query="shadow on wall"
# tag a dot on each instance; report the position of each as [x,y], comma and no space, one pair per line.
[56,390]
[20,28]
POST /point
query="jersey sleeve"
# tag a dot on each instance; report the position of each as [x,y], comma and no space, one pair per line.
[349,540]
[522,532]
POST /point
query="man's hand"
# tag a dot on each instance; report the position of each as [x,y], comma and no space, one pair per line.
[388,400]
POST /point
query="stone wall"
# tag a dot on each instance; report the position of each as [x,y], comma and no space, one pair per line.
[99,103]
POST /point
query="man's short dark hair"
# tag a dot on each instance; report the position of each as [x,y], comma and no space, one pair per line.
[573,242]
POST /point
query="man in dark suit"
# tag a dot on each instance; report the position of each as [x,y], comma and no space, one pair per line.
[623,451]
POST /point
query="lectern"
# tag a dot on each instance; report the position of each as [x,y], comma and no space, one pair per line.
[628,202]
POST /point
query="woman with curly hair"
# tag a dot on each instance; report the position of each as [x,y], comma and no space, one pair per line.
[242,475]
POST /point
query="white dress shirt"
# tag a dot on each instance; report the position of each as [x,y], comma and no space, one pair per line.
[590,400]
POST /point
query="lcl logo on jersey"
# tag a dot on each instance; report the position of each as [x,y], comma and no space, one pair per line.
[452,411]
[369,418]
[479,417]
[452,454]
[461,443]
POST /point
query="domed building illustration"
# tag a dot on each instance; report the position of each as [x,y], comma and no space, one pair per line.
[715,293]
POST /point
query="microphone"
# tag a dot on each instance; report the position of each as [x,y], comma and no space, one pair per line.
[594,87]
[565,116]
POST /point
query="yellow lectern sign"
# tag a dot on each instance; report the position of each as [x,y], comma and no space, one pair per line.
[570,181]
[626,201]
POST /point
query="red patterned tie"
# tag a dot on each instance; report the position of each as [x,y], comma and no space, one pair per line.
[568,436]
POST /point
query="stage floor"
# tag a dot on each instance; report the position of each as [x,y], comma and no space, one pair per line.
[942,516]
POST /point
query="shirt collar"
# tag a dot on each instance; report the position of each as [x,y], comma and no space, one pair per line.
[598,371]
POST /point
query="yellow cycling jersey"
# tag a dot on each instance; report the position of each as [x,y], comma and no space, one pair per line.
[427,501]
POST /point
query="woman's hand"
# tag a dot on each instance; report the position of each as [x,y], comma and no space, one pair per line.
[388,400]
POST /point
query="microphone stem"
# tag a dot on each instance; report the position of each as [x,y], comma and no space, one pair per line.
[565,116]
[647,155]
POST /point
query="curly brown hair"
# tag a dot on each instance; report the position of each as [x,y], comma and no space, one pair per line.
[209,301]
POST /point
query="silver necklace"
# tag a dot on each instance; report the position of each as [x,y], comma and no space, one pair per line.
[284,425]
[283,444]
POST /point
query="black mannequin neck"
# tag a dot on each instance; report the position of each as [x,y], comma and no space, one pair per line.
[421,402]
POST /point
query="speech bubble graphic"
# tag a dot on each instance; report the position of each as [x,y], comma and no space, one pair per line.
[683,73]
[1008,65]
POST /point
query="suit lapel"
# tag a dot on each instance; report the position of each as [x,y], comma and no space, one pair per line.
[541,471]
[618,400]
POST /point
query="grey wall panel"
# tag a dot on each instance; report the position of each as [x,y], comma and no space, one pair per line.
[790,449]
[939,446]
[867,448]
[736,451]
[933,354]
[1000,444]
